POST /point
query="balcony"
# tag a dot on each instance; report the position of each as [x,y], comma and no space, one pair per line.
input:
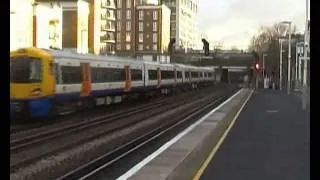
[108,26]
[109,15]
[107,39]
[108,4]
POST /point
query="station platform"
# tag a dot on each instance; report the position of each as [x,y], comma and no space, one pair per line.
[254,135]
[269,140]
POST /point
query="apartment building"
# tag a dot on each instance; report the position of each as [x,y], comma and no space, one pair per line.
[153,29]
[125,27]
[183,22]
[108,26]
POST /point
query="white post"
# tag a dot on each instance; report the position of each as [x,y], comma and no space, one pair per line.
[280,78]
[296,64]
[263,67]
[305,48]
[289,61]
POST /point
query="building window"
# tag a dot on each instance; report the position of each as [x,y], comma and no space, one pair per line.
[118,37]
[119,26]
[140,26]
[173,25]
[128,3]
[119,46]
[128,46]
[140,37]
[141,15]
[119,4]
[155,15]
[128,36]
[147,47]
[128,14]
[118,14]
[154,38]
[155,26]
[128,26]
[155,47]
[140,47]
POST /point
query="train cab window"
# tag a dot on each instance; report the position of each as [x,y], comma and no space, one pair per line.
[24,69]
[71,75]
[153,74]
[136,74]
[179,74]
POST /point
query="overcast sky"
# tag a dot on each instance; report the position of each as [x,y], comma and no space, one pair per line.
[234,22]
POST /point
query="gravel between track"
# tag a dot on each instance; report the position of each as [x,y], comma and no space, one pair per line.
[60,163]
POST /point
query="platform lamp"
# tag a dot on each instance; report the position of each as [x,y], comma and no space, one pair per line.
[289,55]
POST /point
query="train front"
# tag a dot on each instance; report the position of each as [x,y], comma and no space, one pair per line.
[29,83]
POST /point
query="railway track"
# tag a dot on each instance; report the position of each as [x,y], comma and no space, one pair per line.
[26,150]
[92,169]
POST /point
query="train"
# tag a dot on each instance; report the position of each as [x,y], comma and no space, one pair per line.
[47,82]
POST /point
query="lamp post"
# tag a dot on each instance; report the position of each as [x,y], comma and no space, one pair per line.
[306,47]
[263,64]
[289,56]
[299,52]
[280,68]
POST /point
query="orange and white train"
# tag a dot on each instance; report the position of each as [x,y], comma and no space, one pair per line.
[49,82]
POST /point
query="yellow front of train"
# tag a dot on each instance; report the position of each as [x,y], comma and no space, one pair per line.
[32,83]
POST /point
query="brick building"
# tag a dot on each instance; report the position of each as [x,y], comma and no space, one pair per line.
[141,28]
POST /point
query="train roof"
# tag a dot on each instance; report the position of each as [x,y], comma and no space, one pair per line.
[77,56]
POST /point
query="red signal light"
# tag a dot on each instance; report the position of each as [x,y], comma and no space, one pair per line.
[257,66]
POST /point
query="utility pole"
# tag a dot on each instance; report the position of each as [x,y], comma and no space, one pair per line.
[289,60]
[280,70]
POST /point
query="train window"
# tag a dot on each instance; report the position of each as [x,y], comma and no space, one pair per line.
[194,74]
[24,69]
[136,74]
[209,74]
[57,74]
[167,74]
[179,74]
[71,74]
[153,74]
[102,75]
[200,74]
[187,74]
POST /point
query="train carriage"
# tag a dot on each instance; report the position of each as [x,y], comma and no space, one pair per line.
[49,82]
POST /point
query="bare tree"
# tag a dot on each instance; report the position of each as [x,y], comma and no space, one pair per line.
[267,41]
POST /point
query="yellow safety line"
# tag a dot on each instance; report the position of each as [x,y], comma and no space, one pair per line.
[215,149]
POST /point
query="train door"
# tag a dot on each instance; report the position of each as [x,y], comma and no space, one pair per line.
[86,82]
[159,77]
[128,78]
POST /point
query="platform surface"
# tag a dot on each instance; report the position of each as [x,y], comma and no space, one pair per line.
[270,140]
[163,165]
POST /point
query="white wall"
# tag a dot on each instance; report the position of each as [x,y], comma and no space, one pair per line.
[46,13]
[83,24]
[21,24]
